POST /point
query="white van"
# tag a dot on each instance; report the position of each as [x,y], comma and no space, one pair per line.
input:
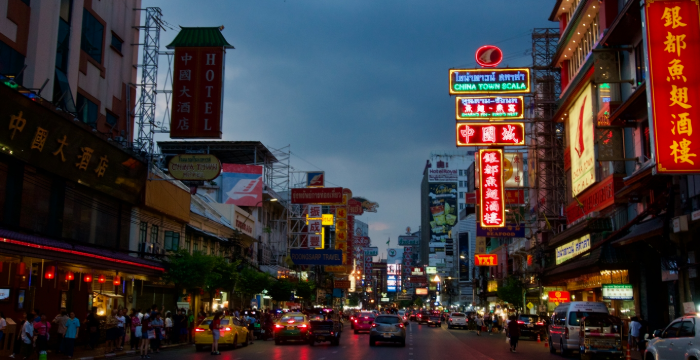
[564,326]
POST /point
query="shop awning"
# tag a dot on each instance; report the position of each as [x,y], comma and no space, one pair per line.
[16,243]
[642,231]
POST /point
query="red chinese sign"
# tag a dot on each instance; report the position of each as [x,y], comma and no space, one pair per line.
[488,134]
[486,260]
[198,82]
[491,196]
[559,296]
[355,207]
[596,198]
[317,196]
[673,44]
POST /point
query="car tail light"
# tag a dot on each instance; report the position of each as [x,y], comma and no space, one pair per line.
[399,325]
[303,326]
[355,321]
[520,322]
[374,325]
[199,330]
[566,333]
[450,319]
[540,323]
[419,315]
[278,326]
[227,329]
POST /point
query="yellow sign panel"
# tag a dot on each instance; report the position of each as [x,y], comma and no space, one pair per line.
[326,219]
[194,167]
[337,269]
[341,224]
[341,236]
[341,213]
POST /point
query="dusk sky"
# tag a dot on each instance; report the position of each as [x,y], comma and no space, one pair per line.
[357,88]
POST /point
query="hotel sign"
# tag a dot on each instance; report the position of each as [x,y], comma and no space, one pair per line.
[487,81]
[618,292]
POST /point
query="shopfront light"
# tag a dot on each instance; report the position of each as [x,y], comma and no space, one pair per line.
[101,279]
[70,276]
[50,272]
[21,269]
[87,278]
[117,281]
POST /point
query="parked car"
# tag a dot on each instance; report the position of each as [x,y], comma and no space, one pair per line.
[679,340]
[564,326]
[457,320]
[388,328]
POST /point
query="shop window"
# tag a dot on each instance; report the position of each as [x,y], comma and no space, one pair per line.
[154,234]
[36,199]
[117,43]
[87,110]
[172,240]
[143,232]
[92,36]
[11,62]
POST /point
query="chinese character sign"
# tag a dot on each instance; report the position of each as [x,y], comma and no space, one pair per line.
[491,197]
[198,82]
[490,134]
[673,44]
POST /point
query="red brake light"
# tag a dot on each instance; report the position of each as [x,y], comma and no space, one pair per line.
[419,315]
[566,333]
[520,322]
[227,329]
[303,326]
[199,330]
[356,321]
[450,319]
[374,325]
[399,325]
[540,323]
[278,326]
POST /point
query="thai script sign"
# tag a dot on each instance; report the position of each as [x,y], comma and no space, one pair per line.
[405,240]
[576,247]
[194,167]
[484,81]
[486,259]
[317,196]
[490,107]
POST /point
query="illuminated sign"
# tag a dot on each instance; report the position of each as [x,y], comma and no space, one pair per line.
[421,291]
[489,107]
[488,56]
[322,196]
[371,251]
[430,270]
[326,219]
[673,45]
[392,283]
[576,247]
[485,81]
[486,259]
[618,292]
[491,196]
[582,141]
[559,296]
[487,134]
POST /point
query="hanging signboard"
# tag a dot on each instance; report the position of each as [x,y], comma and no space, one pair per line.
[406,240]
[488,56]
[484,81]
[371,251]
[491,196]
[490,107]
[355,207]
[316,257]
[618,292]
[315,179]
[576,247]
[582,140]
[673,45]
[508,231]
[559,296]
[490,134]
[322,196]
[194,167]
[486,259]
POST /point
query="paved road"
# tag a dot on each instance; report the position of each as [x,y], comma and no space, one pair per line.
[423,343]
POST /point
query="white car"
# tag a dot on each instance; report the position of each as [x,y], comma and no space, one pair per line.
[457,320]
[679,341]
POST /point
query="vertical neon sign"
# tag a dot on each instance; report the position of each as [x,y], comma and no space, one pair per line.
[491,198]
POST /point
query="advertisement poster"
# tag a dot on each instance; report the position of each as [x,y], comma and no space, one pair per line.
[440,172]
[581,142]
[513,170]
[464,256]
[242,184]
[443,210]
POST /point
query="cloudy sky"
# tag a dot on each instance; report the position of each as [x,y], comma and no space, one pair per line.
[357,88]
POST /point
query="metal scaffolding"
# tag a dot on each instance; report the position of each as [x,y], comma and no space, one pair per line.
[548,183]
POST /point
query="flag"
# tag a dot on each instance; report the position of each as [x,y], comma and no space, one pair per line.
[387,242]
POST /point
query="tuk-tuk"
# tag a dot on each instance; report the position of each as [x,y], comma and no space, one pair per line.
[599,337]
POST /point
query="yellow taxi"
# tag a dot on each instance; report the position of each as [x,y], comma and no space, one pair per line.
[234,332]
[292,326]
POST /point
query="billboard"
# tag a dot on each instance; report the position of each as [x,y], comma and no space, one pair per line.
[442,172]
[394,256]
[485,81]
[315,179]
[463,256]
[422,291]
[490,107]
[491,195]
[673,46]
[409,240]
[443,210]
[490,134]
[242,185]
[361,228]
[316,257]
[323,196]
[581,141]
[486,260]
[572,249]
[392,283]
[198,89]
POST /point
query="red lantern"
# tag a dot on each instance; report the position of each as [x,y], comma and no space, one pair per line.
[117,281]
[50,272]
[21,269]
[87,278]
[101,279]
[70,276]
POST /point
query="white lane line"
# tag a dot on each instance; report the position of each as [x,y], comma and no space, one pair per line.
[335,352]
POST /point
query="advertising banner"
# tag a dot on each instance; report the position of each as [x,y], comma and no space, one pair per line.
[568,251]
[244,222]
[596,198]
[361,228]
[490,134]
[341,284]
[371,251]
[321,196]
[442,174]
[430,270]
[198,88]
[509,231]
[486,260]
[242,184]
[316,257]
[392,283]
[485,81]
[490,107]
[581,140]
[442,199]
[480,245]
[194,167]
[355,207]
[421,291]
[409,240]
[673,45]
[559,296]
[491,195]
[464,256]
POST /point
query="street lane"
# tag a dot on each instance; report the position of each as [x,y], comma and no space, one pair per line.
[422,343]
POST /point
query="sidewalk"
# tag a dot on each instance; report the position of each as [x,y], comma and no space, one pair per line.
[83,353]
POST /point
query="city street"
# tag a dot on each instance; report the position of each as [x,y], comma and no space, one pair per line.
[423,343]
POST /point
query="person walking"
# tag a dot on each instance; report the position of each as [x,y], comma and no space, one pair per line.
[121,330]
[495,321]
[215,327]
[93,325]
[634,333]
[168,327]
[479,324]
[41,329]
[60,321]
[190,325]
[513,333]
[112,333]
[489,323]
[72,324]
[17,348]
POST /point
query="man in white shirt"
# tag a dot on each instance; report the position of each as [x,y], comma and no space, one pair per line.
[27,337]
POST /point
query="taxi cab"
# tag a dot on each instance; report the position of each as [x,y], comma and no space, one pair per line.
[233,333]
[292,326]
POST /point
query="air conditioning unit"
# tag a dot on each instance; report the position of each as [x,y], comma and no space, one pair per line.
[119,139]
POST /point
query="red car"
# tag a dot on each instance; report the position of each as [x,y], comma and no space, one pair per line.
[363,322]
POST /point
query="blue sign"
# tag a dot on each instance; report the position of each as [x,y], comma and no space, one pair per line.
[391,283]
[508,231]
[315,179]
[316,257]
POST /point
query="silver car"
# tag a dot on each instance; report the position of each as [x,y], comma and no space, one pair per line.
[388,328]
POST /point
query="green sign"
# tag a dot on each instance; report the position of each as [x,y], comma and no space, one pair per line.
[618,292]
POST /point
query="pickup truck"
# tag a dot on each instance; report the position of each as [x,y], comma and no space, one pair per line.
[328,330]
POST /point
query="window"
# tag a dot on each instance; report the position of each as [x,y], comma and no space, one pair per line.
[640,74]
[87,110]
[63,43]
[188,242]
[11,61]
[117,43]
[172,240]
[461,206]
[461,173]
[154,234]
[92,37]
[196,244]
[205,248]
[111,118]
[687,329]
[672,330]
[646,141]
[143,229]
[461,194]
[62,96]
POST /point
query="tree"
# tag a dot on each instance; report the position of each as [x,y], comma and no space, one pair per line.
[511,291]
[281,290]
[418,302]
[188,271]
[354,299]
[223,276]
[252,282]
[405,304]
[305,290]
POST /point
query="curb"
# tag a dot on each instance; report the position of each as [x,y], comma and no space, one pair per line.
[125,353]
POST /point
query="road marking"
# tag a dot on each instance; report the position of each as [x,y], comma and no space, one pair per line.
[335,352]
[410,353]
